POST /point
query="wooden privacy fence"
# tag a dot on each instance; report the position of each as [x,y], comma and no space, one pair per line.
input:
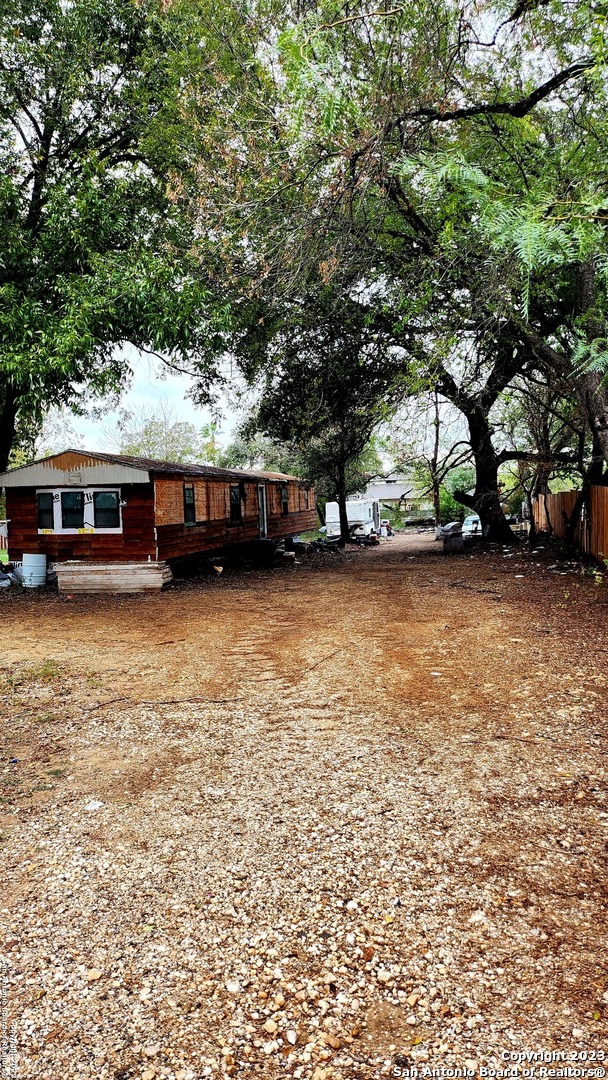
[591,536]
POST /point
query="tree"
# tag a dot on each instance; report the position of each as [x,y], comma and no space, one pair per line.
[336,479]
[56,433]
[251,450]
[543,415]
[364,167]
[210,450]
[459,479]
[327,382]
[156,431]
[95,247]
[427,436]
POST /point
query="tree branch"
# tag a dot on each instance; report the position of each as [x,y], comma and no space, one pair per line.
[357,18]
[531,455]
[506,108]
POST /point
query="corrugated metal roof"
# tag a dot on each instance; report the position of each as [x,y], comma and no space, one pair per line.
[50,470]
[154,465]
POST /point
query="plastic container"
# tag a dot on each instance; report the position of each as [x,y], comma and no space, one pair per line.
[453,542]
[33,571]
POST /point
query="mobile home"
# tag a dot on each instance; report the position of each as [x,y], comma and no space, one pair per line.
[109,510]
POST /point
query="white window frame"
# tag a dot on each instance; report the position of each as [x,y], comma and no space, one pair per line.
[89,529]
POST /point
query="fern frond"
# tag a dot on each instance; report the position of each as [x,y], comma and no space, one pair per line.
[591,356]
[435,170]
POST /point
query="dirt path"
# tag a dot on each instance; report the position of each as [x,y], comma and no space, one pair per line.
[324,822]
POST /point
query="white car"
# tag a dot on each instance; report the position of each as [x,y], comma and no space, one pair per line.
[471,525]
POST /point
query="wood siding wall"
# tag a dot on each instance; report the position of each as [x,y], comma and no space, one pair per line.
[213,530]
[591,534]
[162,505]
[211,499]
[134,544]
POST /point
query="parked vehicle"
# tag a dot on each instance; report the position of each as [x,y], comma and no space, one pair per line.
[363,517]
[471,525]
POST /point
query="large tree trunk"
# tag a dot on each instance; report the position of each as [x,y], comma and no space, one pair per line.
[435,459]
[341,500]
[592,475]
[9,404]
[571,521]
[592,395]
[532,534]
[436,501]
[589,386]
[485,500]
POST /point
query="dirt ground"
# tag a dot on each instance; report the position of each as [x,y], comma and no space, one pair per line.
[329,821]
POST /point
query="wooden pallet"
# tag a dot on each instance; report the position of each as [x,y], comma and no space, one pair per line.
[77,576]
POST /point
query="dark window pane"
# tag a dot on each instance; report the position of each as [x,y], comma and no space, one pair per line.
[106,509]
[235,503]
[189,505]
[284,500]
[72,510]
[44,501]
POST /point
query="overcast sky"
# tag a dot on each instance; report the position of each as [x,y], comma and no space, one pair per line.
[147,389]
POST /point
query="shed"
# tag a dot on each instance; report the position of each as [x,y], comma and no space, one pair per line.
[110,510]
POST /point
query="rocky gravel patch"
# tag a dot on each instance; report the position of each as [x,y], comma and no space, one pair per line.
[300,859]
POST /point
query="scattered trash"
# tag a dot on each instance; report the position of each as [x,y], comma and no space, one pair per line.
[94,804]
[328,545]
[371,540]
[297,545]
[10,575]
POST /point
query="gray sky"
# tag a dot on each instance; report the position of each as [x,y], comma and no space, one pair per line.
[147,389]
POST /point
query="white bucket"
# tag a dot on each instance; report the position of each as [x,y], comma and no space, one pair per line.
[34,570]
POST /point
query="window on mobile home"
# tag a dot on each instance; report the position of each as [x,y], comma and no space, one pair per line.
[189,504]
[106,510]
[72,509]
[236,509]
[44,507]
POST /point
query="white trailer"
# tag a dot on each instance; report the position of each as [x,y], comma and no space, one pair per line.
[363,517]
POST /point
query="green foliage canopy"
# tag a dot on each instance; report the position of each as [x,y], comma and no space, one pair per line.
[443,163]
[95,250]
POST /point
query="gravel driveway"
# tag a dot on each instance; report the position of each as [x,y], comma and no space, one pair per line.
[329,821]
